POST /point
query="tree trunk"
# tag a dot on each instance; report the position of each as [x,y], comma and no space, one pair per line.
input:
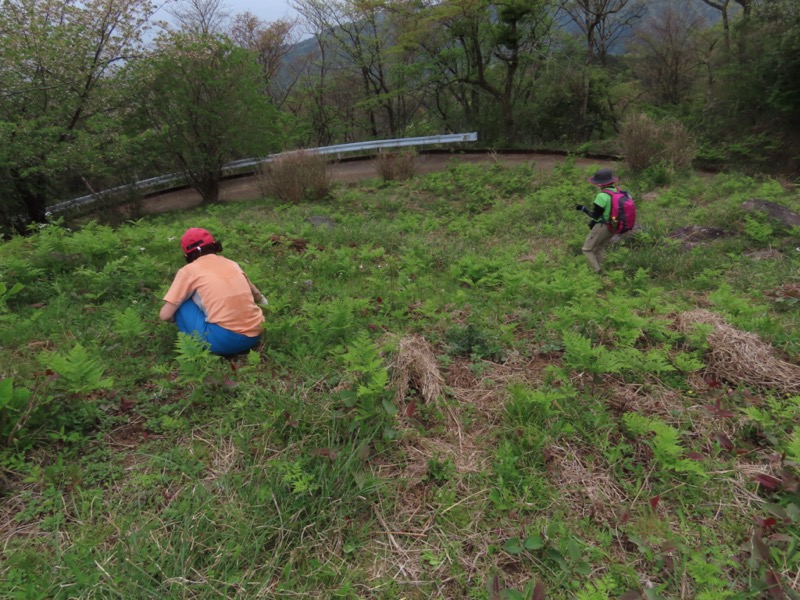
[209,187]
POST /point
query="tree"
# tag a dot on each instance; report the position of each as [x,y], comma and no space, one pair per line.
[485,55]
[200,16]
[360,37]
[203,95]
[271,43]
[59,107]
[666,49]
[603,23]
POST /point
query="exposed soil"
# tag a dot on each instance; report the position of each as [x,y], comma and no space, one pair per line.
[246,187]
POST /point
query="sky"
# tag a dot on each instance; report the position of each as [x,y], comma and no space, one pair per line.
[266,10]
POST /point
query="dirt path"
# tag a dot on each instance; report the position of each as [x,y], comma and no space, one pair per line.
[246,188]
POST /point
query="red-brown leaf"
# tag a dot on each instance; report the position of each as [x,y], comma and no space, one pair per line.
[774,586]
[538,591]
[695,455]
[411,408]
[493,586]
[711,382]
[766,522]
[760,549]
[654,502]
[324,452]
[724,441]
[789,480]
[624,515]
[768,481]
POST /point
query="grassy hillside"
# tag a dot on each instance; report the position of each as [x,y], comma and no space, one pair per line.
[447,402]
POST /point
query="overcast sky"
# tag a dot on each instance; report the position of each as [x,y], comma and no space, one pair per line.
[266,10]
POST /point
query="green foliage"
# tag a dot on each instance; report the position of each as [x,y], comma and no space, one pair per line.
[195,361]
[203,94]
[758,230]
[128,323]
[369,396]
[7,293]
[474,341]
[61,119]
[666,443]
[79,372]
[13,402]
[293,461]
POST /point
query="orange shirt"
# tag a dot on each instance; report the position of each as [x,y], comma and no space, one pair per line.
[222,290]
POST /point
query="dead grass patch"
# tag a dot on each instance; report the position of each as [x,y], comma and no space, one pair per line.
[415,366]
[740,357]
[585,484]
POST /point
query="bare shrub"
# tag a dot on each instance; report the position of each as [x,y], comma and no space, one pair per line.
[647,142]
[396,166]
[296,176]
[678,145]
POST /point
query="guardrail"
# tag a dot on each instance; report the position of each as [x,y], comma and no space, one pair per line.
[243,165]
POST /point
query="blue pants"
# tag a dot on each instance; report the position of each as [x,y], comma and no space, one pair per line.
[191,320]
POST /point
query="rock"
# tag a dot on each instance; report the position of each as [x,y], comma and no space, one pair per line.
[763,254]
[774,211]
[691,235]
[319,221]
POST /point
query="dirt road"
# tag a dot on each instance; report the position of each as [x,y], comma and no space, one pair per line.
[246,188]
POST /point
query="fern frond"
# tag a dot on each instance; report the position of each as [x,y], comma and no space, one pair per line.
[80,372]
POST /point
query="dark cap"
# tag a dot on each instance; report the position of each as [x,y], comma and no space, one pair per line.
[603,177]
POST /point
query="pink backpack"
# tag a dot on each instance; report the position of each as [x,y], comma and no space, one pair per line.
[623,211]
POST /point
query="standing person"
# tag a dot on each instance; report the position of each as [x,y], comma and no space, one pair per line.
[595,244]
[212,298]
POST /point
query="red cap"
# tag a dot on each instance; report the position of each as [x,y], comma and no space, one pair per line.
[194,239]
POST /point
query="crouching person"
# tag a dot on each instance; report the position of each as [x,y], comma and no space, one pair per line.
[212,298]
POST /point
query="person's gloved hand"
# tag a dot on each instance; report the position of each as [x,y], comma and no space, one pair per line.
[580,207]
[592,223]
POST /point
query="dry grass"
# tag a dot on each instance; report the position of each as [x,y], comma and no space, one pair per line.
[416,545]
[396,166]
[586,485]
[739,357]
[415,366]
[647,142]
[295,177]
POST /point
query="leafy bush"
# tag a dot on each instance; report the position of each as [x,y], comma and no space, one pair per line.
[295,177]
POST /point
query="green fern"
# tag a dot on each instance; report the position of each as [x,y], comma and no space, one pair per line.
[793,447]
[687,363]
[582,356]
[195,362]
[13,401]
[128,323]
[6,293]
[665,444]
[79,372]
